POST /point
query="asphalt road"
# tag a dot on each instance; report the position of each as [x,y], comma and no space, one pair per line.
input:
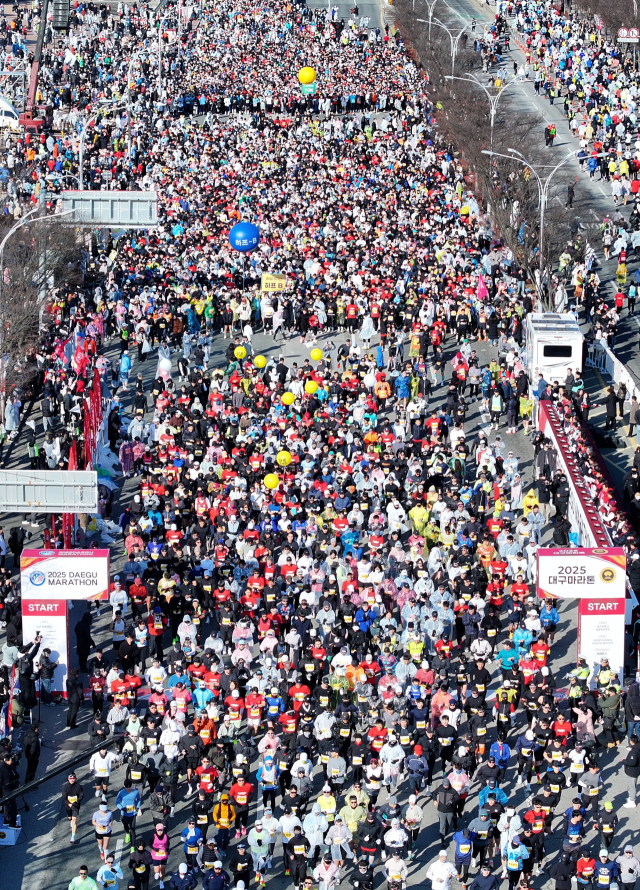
[43,859]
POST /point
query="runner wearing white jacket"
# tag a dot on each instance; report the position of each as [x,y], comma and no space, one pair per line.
[396,515]
[315,826]
[118,599]
[441,872]
[396,870]
[327,874]
[396,838]
[100,765]
[287,823]
[187,630]
[391,756]
[304,763]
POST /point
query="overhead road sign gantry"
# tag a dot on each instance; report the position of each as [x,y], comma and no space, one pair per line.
[117,210]
[48,491]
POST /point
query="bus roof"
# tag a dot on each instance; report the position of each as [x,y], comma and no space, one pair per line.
[554,323]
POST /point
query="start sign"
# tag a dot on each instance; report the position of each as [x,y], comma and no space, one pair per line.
[582,573]
[597,578]
[64,574]
[50,579]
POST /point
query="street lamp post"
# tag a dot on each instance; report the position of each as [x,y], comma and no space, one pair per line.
[493,99]
[180,23]
[160,24]
[135,57]
[431,6]
[161,21]
[83,133]
[543,190]
[454,39]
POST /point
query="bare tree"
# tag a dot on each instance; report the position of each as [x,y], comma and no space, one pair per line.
[508,187]
[34,257]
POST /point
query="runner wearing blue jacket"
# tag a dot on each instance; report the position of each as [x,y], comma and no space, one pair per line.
[513,855]
[129,802]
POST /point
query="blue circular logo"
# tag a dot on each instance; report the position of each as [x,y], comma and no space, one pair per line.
[37,578]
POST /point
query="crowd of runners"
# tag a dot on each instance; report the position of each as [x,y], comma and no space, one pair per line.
[325,635]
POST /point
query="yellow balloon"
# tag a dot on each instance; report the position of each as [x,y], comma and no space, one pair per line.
[288,398]
[271,480]
[260,361]
[240,352]
[310,387]
[316,354]
[306,75]
[283,458]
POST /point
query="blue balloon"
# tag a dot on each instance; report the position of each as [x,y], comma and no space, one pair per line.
[244,236]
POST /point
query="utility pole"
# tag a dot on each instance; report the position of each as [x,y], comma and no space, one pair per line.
[129,113]
[42,266]
[159,57]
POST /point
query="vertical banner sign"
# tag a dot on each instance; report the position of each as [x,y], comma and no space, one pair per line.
[67,518]
[67,529]
[597,578]
[6,721]
[601,630]
[49,619]
[49,579]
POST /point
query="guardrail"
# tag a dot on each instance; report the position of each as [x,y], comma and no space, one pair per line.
[603,359]
[58,769]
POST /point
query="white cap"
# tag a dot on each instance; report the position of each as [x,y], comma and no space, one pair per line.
[443,853]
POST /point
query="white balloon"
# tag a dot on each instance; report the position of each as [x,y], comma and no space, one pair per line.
[164,368]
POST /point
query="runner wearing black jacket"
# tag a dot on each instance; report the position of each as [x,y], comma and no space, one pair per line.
[72,797]
[369,838]
[445,802]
